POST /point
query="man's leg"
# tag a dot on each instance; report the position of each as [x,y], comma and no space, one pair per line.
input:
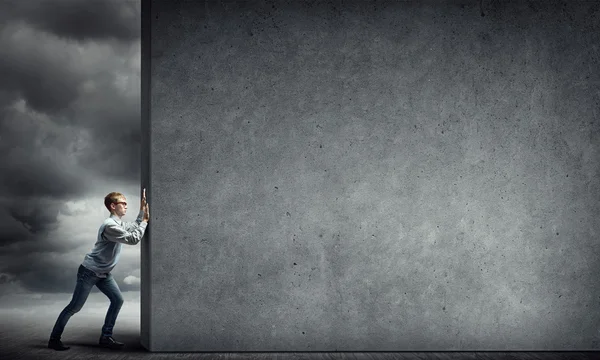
[110,288]
[85,281]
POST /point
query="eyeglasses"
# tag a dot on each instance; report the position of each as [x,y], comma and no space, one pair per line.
[120,202]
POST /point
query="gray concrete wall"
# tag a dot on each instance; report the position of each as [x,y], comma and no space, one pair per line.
[362,176]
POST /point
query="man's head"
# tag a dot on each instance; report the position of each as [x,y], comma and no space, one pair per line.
[116,203]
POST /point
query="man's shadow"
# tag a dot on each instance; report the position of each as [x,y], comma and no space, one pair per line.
[87,340]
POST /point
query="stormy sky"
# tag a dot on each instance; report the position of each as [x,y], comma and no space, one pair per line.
[69,135]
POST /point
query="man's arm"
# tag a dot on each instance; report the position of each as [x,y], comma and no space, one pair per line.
[129,226]
[115,232]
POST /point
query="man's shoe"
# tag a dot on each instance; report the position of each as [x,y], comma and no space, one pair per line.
[56,344]
[109,342]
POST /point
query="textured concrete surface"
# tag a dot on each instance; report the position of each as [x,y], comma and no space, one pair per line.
[362,176]
[25,338]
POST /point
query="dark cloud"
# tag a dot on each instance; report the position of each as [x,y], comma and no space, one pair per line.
[35,72]
[11,231]
[43,273]
[35,217]
[69,121]
[79,20]
[114,149]
[10,245]
[32,170]
[6,278]
[43,69]
[31,227]
[63,118]
[45,91]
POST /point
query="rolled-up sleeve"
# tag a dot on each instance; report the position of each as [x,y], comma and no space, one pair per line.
[130,235]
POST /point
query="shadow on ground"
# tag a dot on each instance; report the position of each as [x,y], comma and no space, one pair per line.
[88,339]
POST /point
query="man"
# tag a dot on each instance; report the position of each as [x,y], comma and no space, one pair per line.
[97,265]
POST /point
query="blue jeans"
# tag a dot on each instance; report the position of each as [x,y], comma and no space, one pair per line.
[86,279]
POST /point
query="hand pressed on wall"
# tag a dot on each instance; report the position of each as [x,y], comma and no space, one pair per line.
[145,206]
[143,202]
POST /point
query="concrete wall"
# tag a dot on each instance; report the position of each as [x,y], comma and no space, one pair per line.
[362,176]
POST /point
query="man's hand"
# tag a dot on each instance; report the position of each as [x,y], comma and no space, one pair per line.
[145,206]
[143,203]
[146,213]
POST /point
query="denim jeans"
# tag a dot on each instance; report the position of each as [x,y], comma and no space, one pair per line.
[86,279]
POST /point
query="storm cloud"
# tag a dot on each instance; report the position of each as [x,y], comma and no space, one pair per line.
[79,20]
[69,134]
